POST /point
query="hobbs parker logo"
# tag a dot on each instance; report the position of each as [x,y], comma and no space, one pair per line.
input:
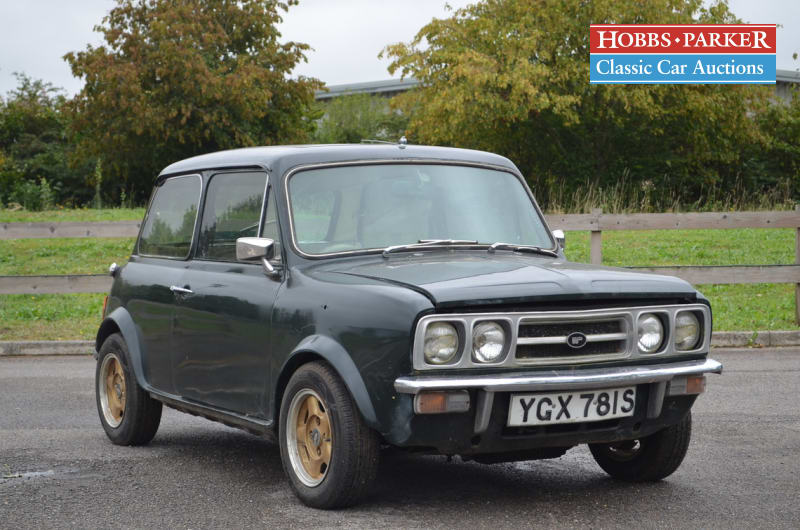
[688,53]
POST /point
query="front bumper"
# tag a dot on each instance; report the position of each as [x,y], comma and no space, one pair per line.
[558,379]
[653,382]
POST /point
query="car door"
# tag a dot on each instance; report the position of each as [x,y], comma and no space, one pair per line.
[223,319]
[157,265]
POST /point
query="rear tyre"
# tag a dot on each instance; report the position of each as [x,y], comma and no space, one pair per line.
[328,452]
[128,414]
[647,459]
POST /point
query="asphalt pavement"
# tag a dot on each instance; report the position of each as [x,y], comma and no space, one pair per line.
[58,470]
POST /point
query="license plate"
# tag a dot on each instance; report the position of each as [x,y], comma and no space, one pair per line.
[571,407]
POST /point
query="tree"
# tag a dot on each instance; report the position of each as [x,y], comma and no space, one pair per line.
[34,147]
[512,76]
[350,119]
[176,78]
[781,123]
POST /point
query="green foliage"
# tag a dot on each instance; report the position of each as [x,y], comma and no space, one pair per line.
[97,177]
[33,196]
[781,123]
[511,76]
[34,148]
[350,119]
[655,196]
[176,78]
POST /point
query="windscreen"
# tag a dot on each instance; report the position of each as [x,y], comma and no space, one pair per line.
[353,208]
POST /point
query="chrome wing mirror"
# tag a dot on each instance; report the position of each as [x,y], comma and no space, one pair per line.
[560,238]
[257,249]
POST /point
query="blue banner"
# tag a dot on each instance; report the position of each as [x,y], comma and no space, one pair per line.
[682,68]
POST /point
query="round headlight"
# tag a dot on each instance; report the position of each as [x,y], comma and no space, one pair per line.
[687,331]
[488,341]
[441,343]
[651,333]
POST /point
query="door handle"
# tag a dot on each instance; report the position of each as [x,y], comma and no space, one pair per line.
[180,290]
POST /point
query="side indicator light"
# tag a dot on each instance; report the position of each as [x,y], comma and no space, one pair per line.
[105,304]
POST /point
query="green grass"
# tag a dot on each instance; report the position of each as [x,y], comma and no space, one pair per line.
[72,215]
[642,248]
[736,307]
[755,306]
[19,257]
[50,316]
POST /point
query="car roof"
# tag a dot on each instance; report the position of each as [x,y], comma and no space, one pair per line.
[284,157]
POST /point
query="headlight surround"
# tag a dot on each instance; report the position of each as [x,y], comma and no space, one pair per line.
[441,343]
[650,333]
[488,341]
[687,331]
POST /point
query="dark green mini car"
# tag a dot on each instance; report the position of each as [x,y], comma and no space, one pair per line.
[341,298]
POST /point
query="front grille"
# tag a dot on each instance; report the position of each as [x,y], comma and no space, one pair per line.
[545,351]
[539,340]
[552,329]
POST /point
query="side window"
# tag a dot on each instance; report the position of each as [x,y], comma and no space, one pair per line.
[232,210]
[169,225]
[271,229]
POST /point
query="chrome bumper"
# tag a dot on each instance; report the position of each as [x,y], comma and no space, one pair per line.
[558,379]
[657,376]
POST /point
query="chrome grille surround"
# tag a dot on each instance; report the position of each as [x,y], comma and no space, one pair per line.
[628,316]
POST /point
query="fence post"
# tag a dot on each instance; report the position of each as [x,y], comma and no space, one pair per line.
[596,243]
[797,261]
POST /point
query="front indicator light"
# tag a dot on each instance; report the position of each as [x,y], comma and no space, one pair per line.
[441,343]
[441,402]
[689,385]
[696,384]
[650,333]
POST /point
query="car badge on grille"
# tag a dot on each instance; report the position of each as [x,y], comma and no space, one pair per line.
[576,340]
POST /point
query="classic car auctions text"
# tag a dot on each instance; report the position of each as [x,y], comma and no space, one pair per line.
[636,53]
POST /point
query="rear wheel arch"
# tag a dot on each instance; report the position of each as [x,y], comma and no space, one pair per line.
[107,328]
[120,321]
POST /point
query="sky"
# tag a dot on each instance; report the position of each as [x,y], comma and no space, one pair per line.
[346,35]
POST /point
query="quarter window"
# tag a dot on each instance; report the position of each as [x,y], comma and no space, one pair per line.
[169,226]
[232,210]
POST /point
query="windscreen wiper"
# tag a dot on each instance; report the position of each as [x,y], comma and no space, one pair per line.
[427,243]
[521,248]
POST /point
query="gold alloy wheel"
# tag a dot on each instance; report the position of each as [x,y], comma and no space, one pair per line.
[112,390]
[309,437]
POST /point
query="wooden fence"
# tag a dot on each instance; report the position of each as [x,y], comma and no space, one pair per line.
[596,222]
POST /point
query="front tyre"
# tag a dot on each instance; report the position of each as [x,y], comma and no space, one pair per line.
[128,414]
[328,452]
[647,459]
